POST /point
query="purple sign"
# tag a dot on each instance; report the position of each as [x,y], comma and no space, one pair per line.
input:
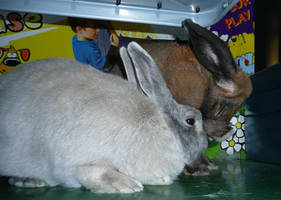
[238,20]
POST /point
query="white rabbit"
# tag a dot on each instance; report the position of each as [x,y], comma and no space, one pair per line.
[65,123]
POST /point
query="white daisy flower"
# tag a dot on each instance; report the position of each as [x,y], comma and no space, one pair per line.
[238,124]
[236,142]
[231,144]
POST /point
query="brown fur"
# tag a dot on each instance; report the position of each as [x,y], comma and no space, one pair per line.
[192,84]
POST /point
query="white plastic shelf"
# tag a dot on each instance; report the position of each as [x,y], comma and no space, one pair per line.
[156,12]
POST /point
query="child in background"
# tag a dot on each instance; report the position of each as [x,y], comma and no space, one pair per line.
[90,36]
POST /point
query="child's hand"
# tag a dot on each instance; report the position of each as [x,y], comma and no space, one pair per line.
[114,40]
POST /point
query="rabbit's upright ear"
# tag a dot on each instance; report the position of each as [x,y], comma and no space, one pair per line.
[212,52]
[128,65]
[148,74]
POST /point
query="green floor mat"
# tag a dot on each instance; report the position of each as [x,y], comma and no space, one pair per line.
[239,180]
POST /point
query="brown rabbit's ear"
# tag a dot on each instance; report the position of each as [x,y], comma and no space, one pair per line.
[211,51]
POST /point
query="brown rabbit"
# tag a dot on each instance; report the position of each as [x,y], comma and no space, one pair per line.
[203,74]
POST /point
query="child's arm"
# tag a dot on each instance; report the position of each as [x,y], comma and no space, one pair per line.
[96,59]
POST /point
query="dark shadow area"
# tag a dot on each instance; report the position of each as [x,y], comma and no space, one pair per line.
[267,33]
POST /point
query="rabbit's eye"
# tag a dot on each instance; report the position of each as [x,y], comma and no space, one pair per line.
[190,121]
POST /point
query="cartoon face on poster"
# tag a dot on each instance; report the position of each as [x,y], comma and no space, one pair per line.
[25,37]
[11,57]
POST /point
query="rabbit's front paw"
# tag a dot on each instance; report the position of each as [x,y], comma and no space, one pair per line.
[27,182]
[117,182]
[167,180]
[102,178]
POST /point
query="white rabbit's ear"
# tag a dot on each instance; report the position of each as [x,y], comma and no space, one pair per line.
[130,72]
[148,74]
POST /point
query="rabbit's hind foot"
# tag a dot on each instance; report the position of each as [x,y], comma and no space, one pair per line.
[27,182]
[106,179]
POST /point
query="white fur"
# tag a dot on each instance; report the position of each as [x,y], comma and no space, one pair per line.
[211,54]
[230,86]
